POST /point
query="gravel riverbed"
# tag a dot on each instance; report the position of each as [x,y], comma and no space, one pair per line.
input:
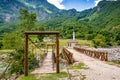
[113,53]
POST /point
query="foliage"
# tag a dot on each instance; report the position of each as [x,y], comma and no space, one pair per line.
[101,20]
[32,61]
[116,61]
[99,40]
[1,44]
[5,51]
[17,67]
[27,19]
[14,41]
[7,28]
[104,19]
[40,37]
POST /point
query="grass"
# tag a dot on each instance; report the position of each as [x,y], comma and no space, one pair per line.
[63,42]
[50,76]
[85,42]
[115,62]
[77,66]
[5,51]
[30,77]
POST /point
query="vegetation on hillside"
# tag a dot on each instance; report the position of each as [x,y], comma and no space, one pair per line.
[103,21]
[101,24]
[14,41]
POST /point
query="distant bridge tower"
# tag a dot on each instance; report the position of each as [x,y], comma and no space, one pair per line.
[73,35]
[72,43]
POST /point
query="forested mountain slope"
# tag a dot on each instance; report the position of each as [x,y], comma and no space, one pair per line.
[9,9]
[100,24]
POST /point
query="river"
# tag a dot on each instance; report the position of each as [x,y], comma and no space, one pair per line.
[2,66]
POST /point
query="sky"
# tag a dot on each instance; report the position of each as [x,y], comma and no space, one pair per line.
[79,5]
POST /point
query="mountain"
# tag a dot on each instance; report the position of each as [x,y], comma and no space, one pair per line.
[100,21]
[9,9]
[105,18]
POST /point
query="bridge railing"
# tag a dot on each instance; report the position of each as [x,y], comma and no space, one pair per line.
[67,55]
[95,54]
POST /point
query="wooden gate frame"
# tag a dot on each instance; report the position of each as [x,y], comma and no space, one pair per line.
[27,33]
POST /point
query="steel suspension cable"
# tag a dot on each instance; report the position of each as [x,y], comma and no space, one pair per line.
[35,44]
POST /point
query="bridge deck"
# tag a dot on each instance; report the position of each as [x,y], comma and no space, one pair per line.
[47,66]
[97,70]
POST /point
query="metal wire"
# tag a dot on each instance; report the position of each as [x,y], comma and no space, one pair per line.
[35,44]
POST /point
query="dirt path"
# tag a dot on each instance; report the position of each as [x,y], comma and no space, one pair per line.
[97,70]
[47,66]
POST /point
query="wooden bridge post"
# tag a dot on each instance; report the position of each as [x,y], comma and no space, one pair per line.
[26,56]
[57,53]
[106,57]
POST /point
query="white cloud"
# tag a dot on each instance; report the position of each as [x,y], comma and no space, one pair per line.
[57,3]
[97,1]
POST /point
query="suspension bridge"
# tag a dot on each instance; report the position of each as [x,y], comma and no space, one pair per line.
[95,61]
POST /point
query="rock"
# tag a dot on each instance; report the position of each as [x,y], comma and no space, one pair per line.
[3,56]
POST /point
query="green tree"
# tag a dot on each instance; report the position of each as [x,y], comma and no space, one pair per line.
[27,20]
[100,40]
[14,41]
[1,44]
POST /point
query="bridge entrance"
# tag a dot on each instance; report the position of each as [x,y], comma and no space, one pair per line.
[27,33]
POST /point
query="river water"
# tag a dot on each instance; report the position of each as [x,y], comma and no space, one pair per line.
[2,66]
